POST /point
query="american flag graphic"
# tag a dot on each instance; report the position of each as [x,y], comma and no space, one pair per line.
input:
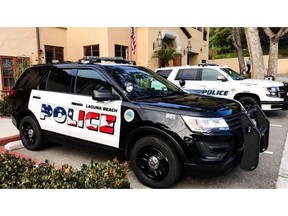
[133,39]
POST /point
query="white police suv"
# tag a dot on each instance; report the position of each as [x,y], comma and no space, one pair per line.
[211,79]
[162,129]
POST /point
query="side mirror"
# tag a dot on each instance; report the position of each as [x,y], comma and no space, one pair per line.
[104,95]
[221,78]
[182,82]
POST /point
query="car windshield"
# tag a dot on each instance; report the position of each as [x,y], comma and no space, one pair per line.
[141,83]
[233,74]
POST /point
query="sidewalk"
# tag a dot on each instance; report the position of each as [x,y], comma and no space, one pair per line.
[282,78]
[8,132]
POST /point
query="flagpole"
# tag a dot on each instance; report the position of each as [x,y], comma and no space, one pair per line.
[131,59]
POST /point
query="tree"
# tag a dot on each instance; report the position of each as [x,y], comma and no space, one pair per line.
[256,53]
[165,55]
[236,39]
[274,48]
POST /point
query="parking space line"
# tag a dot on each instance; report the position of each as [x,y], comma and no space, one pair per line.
[275,125]
[268,152]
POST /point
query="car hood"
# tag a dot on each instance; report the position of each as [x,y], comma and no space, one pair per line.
[263,83]
[193,104]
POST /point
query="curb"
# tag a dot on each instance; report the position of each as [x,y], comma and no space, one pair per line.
[3,150]
[282,181]
[5,140]
[12,146]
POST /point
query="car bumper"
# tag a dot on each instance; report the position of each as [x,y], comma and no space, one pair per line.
[273,105]
[216,157]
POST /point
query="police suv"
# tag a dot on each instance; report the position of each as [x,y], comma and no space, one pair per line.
[162,129]
[211,79]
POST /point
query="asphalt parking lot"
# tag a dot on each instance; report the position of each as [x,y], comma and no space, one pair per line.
[264,177]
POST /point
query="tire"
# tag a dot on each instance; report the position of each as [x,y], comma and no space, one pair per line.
[155,163]
[31,134]
[248,102]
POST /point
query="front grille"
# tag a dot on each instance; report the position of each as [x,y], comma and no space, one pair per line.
[234,123]
[285,91]
[281,92]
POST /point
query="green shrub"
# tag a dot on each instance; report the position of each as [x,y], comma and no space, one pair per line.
[5,106]
[19,173]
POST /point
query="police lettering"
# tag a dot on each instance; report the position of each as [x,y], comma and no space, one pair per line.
[94,121]
[215,92]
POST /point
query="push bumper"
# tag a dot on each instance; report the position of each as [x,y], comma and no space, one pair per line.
[255,127]
[285,105]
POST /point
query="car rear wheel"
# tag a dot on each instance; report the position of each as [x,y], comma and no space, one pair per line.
[155,163]
[31,134]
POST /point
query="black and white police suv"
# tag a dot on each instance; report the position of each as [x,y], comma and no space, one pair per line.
[221,81]
[163,130]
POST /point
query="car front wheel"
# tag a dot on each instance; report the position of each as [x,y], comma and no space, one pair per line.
[155,163]
[248,102]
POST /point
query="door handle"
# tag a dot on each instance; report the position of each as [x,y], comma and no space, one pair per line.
[77,104]
[36,97]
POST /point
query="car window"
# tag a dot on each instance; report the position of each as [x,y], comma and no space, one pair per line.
[187,74]
[209,74]
[233,74]
[30,78]
[87,81]
[139,82]
[58,80]
[164,73]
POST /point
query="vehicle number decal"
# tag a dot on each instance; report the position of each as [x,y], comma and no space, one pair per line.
[170,116]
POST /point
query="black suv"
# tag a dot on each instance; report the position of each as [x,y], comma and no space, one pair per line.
[162,129]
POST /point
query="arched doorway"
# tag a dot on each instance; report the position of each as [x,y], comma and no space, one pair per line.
[171,39]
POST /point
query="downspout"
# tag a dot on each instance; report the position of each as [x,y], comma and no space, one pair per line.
[39,51]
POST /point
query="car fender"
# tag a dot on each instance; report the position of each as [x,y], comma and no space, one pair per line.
[141,132]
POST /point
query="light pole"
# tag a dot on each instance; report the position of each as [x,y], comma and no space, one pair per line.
[159,40]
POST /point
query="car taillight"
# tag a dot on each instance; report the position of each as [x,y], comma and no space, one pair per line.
[11,92]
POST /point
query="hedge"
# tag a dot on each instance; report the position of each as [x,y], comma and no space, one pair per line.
[5,105]
[17,173]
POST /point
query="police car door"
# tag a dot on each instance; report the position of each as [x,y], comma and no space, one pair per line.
[50,102]
[191,76]
[91,120]
[211,85]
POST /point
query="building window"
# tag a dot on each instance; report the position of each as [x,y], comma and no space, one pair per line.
[121,51]
[205,33]
[53,53]
[92,50]
[11,68]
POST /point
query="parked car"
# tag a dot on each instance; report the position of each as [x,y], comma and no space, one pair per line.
[221,81]
[162,129]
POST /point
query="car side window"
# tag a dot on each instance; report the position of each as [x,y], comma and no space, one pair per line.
[30,78]
[187,74]
[57,80]
[164,73]
[209,74]
[89,80]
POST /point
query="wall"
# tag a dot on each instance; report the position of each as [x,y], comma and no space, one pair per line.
[78,37]
[18,41]
[54,36]
[233,63]
[199,47]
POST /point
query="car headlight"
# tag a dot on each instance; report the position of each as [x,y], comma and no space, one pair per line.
[272,91]
[207,125]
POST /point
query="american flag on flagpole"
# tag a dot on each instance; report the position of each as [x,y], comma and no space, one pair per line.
[133,40]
